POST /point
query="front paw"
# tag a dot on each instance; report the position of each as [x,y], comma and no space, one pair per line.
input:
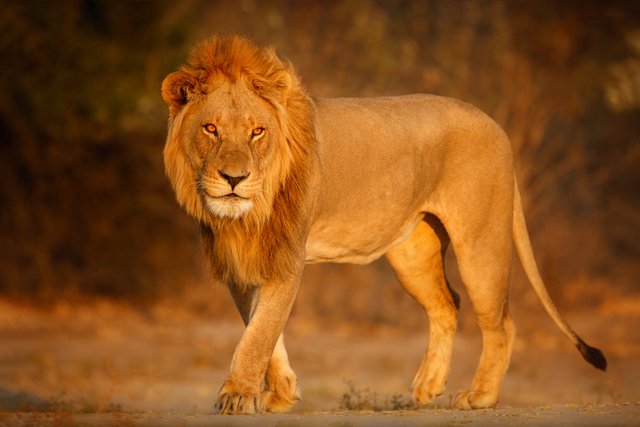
[233,401]
[238,404]
[281,397]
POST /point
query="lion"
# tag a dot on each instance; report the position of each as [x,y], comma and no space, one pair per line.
[277,179]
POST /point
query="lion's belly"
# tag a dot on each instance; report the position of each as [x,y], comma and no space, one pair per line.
[335,242]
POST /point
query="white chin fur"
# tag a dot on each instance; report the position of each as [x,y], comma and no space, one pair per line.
[229,208]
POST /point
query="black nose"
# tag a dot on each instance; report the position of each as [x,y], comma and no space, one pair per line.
[233,180]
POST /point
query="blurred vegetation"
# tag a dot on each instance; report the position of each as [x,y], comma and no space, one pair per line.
[85,208]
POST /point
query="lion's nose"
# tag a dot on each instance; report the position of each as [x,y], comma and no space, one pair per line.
[233,180]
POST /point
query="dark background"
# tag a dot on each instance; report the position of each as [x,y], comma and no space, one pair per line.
[86,211]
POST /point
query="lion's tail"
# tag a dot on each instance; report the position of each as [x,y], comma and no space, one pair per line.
[525,252]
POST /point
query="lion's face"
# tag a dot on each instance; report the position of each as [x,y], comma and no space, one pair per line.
[230,140]
[231,143]
[240,134]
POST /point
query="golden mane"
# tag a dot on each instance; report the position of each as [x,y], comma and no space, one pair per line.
[267,241]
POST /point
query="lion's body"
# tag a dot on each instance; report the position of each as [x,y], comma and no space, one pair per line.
[276,180]
[383,171]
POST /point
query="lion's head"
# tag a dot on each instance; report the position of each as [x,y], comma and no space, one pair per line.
[239,122]
[240,155]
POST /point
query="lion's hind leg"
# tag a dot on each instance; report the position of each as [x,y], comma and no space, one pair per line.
[418,264]
[484,262]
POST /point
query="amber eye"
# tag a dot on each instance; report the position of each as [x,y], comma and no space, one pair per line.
[257,132]
[210,129]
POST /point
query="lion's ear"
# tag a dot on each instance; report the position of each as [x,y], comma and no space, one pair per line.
[276,88]
[177,87]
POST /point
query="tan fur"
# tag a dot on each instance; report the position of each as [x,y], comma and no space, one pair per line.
[276,180]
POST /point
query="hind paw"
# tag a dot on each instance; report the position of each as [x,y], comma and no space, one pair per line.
[469,399]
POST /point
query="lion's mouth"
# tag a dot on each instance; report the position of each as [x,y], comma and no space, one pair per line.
[225,197]
[232,196]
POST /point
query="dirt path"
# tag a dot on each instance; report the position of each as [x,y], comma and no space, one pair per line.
[109,365]
[597,415]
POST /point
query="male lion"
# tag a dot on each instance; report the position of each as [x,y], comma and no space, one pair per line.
[276,179]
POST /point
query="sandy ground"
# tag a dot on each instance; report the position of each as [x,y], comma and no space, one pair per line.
[597,415]
[105,364]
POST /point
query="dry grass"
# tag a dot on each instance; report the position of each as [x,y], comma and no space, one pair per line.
[357,399]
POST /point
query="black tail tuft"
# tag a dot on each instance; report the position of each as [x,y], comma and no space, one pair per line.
[592,355]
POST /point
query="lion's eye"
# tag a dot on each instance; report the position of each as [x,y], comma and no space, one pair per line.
[210,129]
[257,132]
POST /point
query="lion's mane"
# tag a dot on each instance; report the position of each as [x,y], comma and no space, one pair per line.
[265,243]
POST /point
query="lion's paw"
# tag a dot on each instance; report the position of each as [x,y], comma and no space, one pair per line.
[473,400]
[275,403]
[422,397]
[238,404]
[424,390]
[281,394]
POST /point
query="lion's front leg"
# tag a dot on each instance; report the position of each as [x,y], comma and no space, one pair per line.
[281,390]
[271,305]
